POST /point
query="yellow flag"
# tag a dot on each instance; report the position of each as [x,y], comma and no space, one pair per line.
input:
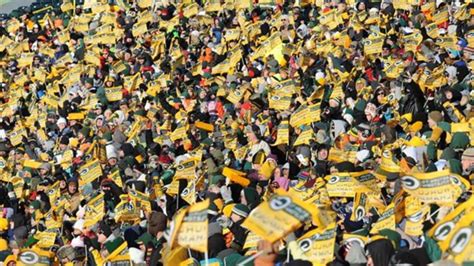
[92,58]
[142,201]
[439,187]
[279,216]
[66,6]
[386,220]
[191,227]
[127,211]
[432,30]
[189,193]
[35,256]
[139,29]
[460,242]
[316,246]
[359,209]
[186,169]
[411,42]
[305,136]
[17,135]
[340,185]
[213,6]
[107,17]
[441,16]
[394,69]
[94,210]
[144,3]
[191,10]
[235,96]
[89,172]
[305,114]
[283,133]
[114,94]
[279,102]
[415,213]
[441,230]
[373,45]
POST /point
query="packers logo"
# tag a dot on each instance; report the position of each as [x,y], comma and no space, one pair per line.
[359,213]
[333,180]
[108,91]
[367,42]
[133,193]
[455,180]
[84,171]
[88,157]
[185,192]
[180,167]
[280,202]
[129,206]
[276,98]
[386,154]
[443,230]
[51,192]
[409,182]
[460,240]
[29,257]
[238,93]
[305,244]
[2,163]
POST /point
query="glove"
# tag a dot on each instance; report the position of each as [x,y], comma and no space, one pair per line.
[224,222]
[226,194]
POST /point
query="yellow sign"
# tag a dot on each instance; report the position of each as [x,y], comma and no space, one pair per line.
[279,216]
[191,226]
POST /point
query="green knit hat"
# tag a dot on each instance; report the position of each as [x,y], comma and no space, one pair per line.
[36,204]
[241,210]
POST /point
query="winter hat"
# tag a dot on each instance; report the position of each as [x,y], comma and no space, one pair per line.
[241,210]
[61,120]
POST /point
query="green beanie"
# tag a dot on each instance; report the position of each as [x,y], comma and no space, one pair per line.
[167,177]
